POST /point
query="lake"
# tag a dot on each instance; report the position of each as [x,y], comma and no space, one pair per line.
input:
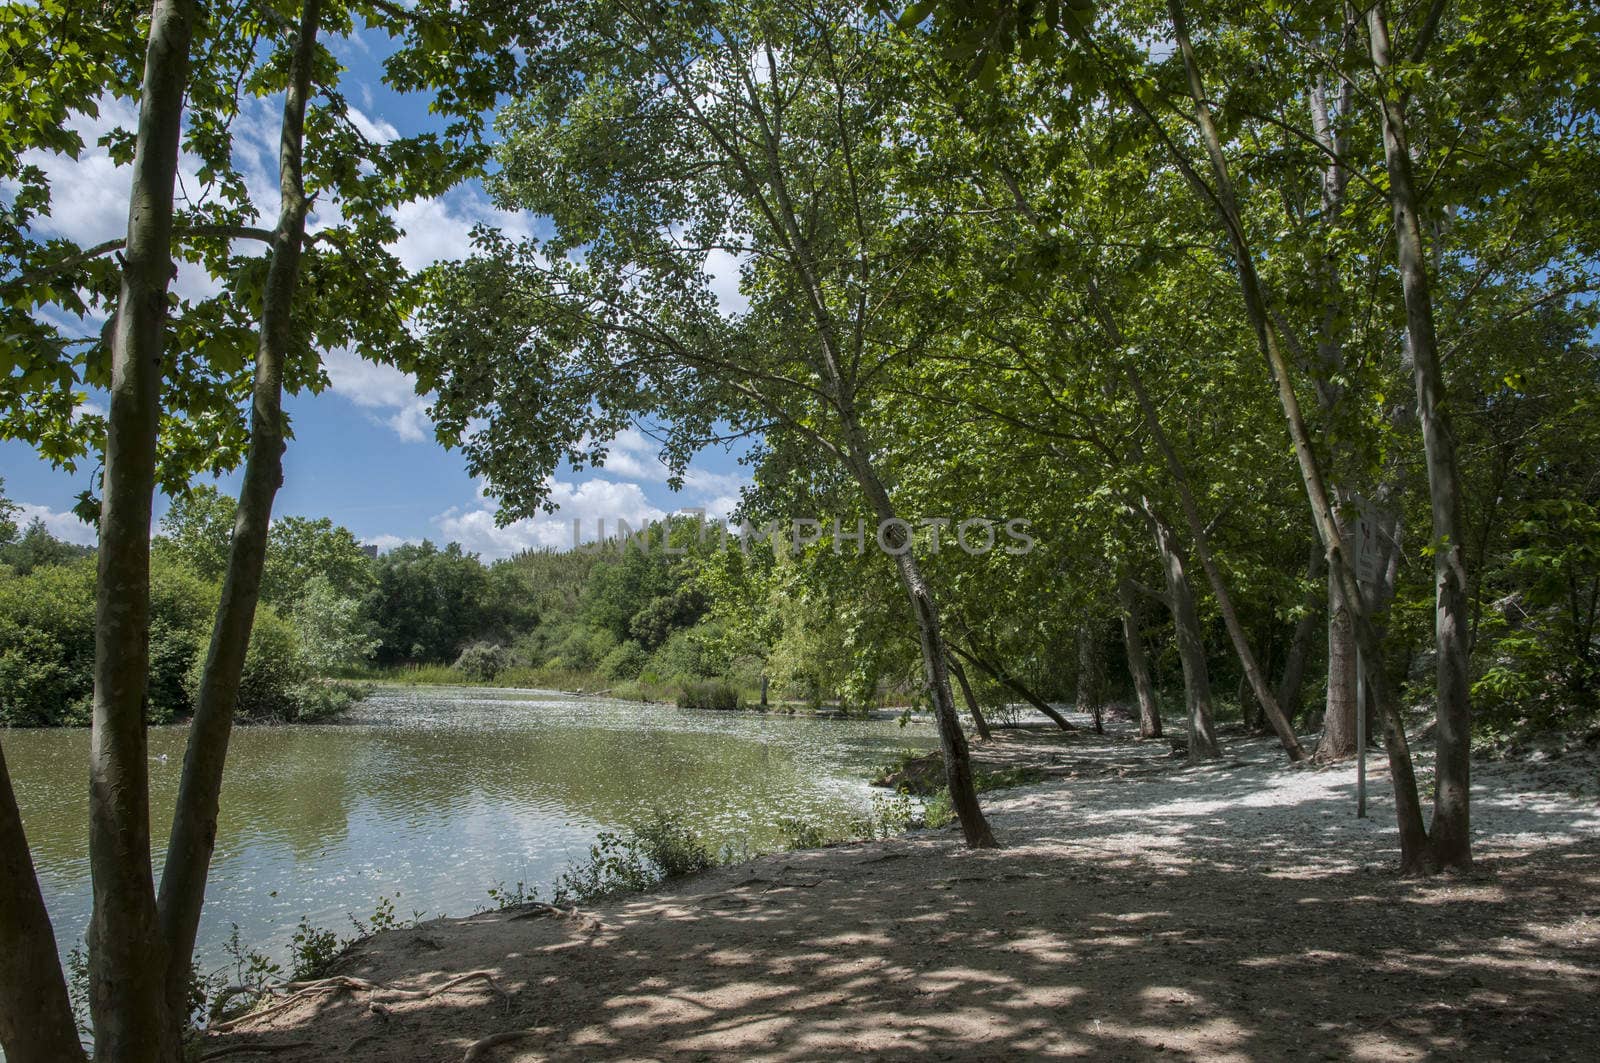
[430,796]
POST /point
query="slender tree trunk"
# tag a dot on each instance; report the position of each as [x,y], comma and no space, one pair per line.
[952,740]
[1290,685]
[36,1020]
[1091,676]
[1451,835]
[1202,547]
[1191,643]
[1415,855]
[1015,685]
[126,958]
[194,827]
[966,693]
[1338,740]
[1138,662]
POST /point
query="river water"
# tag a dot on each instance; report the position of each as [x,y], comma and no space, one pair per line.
[430,796]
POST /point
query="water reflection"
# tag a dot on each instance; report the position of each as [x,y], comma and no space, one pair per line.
[431,796]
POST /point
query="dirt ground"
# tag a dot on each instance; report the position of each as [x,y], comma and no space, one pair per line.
[1140,909]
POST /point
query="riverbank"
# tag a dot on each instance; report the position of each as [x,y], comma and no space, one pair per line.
[1141,907]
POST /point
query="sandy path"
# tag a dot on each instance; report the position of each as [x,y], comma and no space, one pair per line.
[1141,909]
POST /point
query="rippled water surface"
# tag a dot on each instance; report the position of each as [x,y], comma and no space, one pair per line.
[430,796]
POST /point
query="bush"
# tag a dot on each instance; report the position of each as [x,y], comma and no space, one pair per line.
[275,674]
[318,700]
[625,662]
[673,847]
[715,694]
[482,661]
[47,645]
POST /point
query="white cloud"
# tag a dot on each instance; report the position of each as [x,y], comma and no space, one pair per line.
[376,130]
[440,229]
[63,525]
[589,503]
[388,394]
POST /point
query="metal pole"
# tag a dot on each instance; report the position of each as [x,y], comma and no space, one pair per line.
[1361,737]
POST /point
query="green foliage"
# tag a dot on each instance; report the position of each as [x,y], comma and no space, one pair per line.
[274,671]
[428,604]
[712,694]
[657,850]
[673,847]
[625,662]
[335,635]
[37,548]
[47,645]
[482,661]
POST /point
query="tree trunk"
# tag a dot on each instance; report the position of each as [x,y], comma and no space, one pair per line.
[1339,715]
[1191,643]
[1294,665]
[952,740]
[36,1020]
[1338,740]
[1219,586]
[1415,855]
[1450,839]
[194,826]
[1138,662]
[126,957]
[966,693]
[1091,676]
[1016,686]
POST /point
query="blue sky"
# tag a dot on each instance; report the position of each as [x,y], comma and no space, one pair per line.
[363,451]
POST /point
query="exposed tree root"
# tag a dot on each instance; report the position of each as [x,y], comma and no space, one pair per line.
[425,994]
[480,1049]
[286,1002]
[234,1050]
[538,910]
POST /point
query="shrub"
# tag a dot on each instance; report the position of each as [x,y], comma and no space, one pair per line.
[274,678]
[673,847]
[714,694]
[47,645]
[625,662]
[482,661]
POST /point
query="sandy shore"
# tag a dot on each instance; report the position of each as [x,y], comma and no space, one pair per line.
[1141,909]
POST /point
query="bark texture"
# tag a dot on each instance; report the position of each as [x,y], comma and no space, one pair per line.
[1414,847]
[194,827]
[1450,838]
[1191,641]
[36,1021]
[981,724]
[1138,661]
[127,958]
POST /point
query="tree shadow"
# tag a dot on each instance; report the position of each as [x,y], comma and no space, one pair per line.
[1224,912]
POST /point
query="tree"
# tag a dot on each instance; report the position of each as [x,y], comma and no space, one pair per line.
[357,290]
[657,135]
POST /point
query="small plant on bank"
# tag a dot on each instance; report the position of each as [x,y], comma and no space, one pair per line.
[313,950]
[506,897]
[673,847]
